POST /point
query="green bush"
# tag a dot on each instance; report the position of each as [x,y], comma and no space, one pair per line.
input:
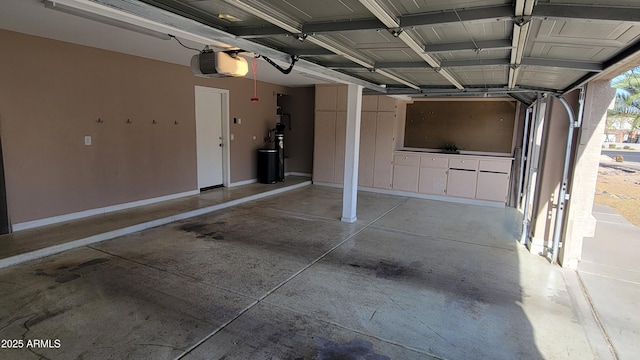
[627,147]
[612,146]
[619,158]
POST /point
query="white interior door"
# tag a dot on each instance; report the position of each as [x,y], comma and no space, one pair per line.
[209,110]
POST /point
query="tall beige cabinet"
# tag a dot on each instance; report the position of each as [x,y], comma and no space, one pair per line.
[378,123]
[329,133]
[376,141]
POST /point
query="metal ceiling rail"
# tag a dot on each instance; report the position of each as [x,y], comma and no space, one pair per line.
[391,22]
[440,18]
[308,52]
[529,61]
[293,28]
[443,18]
[185,10]
[154,18]
[567,64]
[474,62]
[469,91]
[523,9]
[587,12]
[468,46]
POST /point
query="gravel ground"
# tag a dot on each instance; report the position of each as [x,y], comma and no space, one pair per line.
[620,189]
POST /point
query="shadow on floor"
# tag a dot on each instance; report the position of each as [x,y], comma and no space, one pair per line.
[284,278]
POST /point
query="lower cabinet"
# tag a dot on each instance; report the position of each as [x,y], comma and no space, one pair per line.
[405,178]
[492,186]
[462,176]
[462,183]
[433,181]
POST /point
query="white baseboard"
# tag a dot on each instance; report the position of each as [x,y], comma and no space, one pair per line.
[91,212]
[243,182]
[333,185]
[252,181]
[52,250]
[420,196]
[295,173]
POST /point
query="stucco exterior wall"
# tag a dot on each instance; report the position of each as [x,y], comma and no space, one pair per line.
[580,223]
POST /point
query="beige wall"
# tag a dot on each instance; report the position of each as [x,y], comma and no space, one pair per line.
[257,119]
[51,95]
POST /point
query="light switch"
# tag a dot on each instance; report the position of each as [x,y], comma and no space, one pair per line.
[87,140]
[232,137]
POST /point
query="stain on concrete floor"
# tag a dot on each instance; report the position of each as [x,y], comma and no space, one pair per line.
[204,230]
[356,349]
[66,273]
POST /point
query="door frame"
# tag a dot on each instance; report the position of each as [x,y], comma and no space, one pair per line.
[226,156]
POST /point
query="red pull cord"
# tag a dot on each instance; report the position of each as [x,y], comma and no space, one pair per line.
[254,66]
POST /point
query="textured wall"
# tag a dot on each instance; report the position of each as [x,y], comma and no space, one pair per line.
[581,222]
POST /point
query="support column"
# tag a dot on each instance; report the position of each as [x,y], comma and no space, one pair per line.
[351,153]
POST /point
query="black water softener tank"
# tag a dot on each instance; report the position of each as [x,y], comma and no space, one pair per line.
[279,142]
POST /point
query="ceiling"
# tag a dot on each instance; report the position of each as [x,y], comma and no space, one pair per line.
[399,47]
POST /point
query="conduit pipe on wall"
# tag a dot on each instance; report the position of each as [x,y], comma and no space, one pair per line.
[564,196]
[533,168]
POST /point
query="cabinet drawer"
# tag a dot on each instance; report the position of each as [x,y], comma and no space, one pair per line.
[410,160]
[462,163]
[499,166]
[434,161]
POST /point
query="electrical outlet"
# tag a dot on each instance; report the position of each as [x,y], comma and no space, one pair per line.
[239,121]
[87,140]
[232,137]
[254,137]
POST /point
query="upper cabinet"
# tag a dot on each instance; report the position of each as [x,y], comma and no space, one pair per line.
[331,97]
[386,103]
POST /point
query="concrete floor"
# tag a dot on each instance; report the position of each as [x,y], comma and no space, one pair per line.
[48,240]
[610,272]
[283,278]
